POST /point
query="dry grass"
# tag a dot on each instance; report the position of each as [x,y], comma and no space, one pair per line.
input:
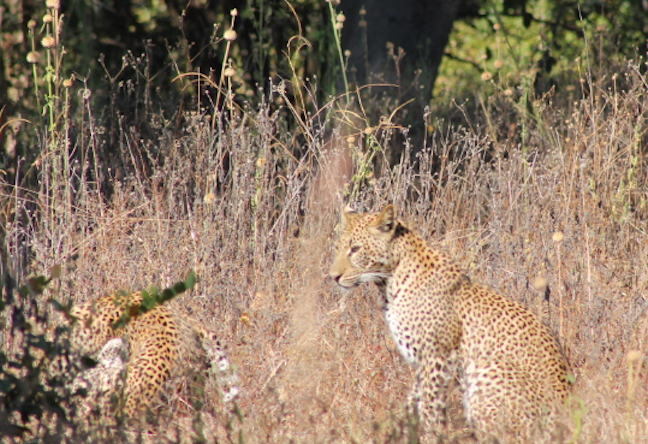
[255,218]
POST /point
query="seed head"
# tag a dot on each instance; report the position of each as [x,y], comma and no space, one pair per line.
[234,12]
[48,41]
[209,198]
[47,18]
[486,76]
[31,24]
[53,4]
[33,57]
[230,35]
[229,72]
[539,283]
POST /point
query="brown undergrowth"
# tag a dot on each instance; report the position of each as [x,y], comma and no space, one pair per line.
[553,214]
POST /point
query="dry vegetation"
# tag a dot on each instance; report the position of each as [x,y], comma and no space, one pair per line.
[546,203]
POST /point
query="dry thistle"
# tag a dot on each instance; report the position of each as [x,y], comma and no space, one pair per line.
[539,283]
[48,41]
[209,198]
[33,57]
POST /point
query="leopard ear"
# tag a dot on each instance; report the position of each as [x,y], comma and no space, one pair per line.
[346,214]
[385,223]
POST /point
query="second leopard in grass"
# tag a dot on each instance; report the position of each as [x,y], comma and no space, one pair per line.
[154,346]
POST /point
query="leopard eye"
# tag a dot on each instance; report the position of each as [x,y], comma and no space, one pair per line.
[354,249]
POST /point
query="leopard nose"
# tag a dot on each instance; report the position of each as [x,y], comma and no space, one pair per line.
[336,277]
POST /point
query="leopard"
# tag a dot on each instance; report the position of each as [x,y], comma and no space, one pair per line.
[102,381]
[511,371]
[148,350]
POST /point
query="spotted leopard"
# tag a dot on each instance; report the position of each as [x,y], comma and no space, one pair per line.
[512,372]
[155,346]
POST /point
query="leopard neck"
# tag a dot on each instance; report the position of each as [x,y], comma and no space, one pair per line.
[412,258]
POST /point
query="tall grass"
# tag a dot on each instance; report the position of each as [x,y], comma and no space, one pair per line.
[252,209]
